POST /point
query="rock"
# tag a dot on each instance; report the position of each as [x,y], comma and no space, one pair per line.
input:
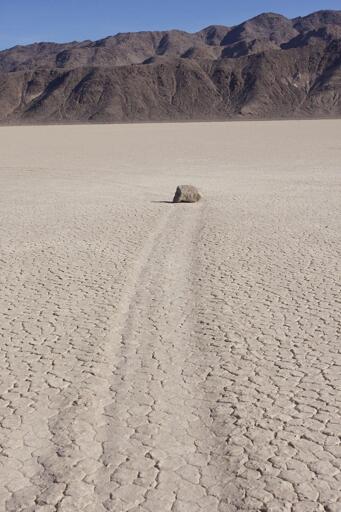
[186,194]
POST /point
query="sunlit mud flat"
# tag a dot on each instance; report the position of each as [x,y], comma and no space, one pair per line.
[159,357]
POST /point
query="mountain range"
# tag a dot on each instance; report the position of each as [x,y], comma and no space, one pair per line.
[267,67]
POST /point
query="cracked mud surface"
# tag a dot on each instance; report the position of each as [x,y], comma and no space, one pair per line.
[158,357]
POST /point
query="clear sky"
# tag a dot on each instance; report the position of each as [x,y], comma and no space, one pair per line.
[26,21]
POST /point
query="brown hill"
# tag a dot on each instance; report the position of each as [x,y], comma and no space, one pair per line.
[317,20]
[269,66]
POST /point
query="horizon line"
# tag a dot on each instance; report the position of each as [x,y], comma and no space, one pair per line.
[81,40]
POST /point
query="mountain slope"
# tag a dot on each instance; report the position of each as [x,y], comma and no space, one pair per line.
[267,67]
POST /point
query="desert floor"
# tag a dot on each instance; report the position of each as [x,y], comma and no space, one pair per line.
[159,357]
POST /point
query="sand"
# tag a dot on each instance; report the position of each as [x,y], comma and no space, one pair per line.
[160,357]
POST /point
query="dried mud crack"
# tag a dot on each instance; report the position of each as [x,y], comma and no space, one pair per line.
[172,358]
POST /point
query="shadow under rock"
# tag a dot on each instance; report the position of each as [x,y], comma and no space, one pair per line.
[163,202]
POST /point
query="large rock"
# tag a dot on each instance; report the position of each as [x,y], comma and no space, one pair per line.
[186,194]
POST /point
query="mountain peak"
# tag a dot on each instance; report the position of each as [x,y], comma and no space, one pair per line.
[316,20]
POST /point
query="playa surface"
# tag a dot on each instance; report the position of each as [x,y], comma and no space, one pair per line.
[159,357]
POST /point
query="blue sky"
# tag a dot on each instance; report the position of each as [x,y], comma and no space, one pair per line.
[26,21]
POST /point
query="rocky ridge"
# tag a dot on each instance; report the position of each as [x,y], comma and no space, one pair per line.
[267,67]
